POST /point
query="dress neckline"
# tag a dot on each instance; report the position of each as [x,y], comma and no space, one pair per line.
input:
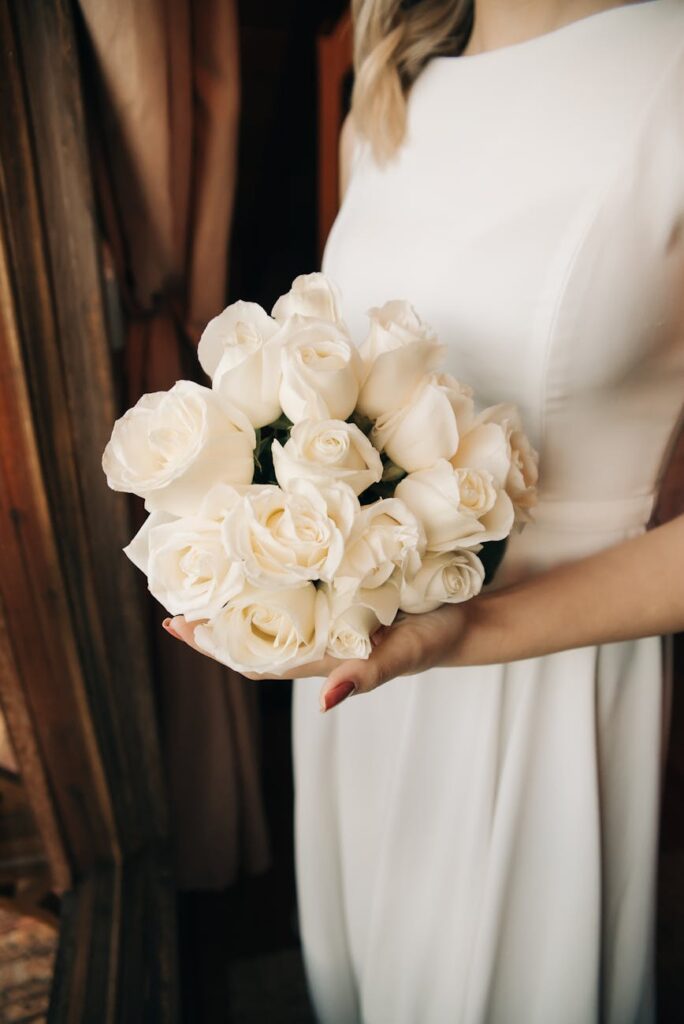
[461,59]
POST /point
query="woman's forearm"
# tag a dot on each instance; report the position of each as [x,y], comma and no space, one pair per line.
[633,589]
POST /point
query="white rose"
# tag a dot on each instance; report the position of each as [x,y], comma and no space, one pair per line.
[268,631]
[350,629]
[186,564]
[446,577]
[313,295]
[281,539]
[320,369]
[385,545]
[342,505]
[457,508]
[324,451]
[238,351]
[523,474]
[484,447]
[428,427]
[399,349]
[173,446]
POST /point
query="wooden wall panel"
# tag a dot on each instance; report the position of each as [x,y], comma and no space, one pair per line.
[53,249]
[75,673]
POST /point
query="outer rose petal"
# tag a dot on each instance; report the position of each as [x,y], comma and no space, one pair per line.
[386,543]
[186,565]
[282,539]
[448,577]
[434,497]
[325,452]
[422,431]
[268,631]
[173,446]
[396,355]
[320,370]
[523,475]
[351,625]
[313,295]
[138,549]
[238,332]
[485,446]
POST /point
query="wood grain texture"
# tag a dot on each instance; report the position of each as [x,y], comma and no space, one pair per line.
[121,974]
[75,675]
[65,352]
[42,686]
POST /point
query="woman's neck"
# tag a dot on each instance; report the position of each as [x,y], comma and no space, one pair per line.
[499,23]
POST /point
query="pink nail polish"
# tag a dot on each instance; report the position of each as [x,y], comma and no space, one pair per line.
[337,694]
[169,630]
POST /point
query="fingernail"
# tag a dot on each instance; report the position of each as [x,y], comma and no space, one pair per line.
[338,693]
[169,629]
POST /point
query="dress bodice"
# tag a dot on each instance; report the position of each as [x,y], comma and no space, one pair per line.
[535,218]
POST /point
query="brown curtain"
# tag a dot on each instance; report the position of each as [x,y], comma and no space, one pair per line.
[162,80]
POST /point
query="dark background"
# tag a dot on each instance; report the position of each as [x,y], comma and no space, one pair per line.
[274,238]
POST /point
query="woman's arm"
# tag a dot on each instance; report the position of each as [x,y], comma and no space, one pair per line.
[632,589]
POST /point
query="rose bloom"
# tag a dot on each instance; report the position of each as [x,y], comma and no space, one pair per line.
[173,446]
[484,447]
[341,504]
[320,370]
[326,450]
[282,539]
[397,353]
[312,295]
[187,567]
[457,507]
[385,545]
[523,471]
[239,352]
[268,631]
[429,426]
[351,626]
[446,577]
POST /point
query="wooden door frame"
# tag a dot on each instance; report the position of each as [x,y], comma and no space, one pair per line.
[75,670]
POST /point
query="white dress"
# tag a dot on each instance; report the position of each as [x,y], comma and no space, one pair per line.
[478,845]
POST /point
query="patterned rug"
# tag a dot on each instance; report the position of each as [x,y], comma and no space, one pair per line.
[27,953]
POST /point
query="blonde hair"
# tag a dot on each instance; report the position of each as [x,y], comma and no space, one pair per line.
[393,40]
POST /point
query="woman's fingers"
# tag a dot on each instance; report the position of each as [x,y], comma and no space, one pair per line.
[314,668]
[397,651]
[185,631]
[179,628]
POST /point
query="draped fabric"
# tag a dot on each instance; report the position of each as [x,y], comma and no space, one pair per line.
[479,843]
[162,81]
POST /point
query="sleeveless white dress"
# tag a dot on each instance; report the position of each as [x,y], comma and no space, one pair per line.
[479,844]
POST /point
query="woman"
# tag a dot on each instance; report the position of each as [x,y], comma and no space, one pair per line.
[476,842]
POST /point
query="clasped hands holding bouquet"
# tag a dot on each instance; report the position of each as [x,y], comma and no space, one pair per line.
[413,643]
[322,509]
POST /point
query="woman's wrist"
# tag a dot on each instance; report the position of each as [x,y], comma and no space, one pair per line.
[481,637]
[628,590]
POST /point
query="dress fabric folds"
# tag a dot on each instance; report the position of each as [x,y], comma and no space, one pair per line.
[478,845]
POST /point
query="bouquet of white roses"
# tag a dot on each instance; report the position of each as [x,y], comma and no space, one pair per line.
[316,489]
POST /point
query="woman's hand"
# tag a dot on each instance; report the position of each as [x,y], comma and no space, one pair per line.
[632,589]
[411,644]
[182,630]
